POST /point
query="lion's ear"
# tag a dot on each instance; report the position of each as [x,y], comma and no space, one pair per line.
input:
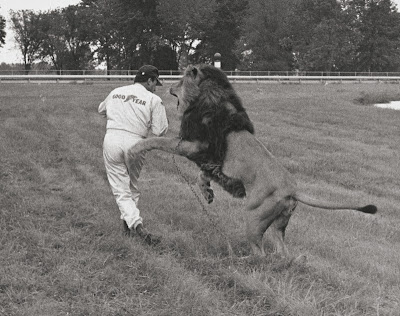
[194,71]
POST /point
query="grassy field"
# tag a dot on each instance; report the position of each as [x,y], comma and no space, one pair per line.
[62,250]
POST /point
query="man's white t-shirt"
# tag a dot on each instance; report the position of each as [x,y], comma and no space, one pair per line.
[135,109]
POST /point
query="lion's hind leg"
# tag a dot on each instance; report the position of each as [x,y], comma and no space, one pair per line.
[278,229]
[260,218]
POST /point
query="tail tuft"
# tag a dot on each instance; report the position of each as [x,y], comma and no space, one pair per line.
[370,209]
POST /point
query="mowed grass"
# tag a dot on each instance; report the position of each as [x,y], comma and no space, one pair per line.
[63,251]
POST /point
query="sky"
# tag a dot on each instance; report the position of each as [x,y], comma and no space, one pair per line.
[9,53]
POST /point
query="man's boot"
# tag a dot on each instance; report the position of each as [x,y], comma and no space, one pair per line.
[150,239]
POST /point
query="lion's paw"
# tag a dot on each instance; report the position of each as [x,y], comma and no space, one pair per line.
[209,195]
[207,192]
[135,150]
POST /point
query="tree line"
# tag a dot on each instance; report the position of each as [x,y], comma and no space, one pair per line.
[314,35]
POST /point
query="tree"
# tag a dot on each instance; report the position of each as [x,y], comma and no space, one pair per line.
[27,28]
[53,43]
[59,35]
[165,58]
[184,24]
[320,36]
[124,33]
[221,36]
[141,31]
[260,46]
[2,31]
[76,36]
[345,35]
[65,35]
[379,29]
[102,22]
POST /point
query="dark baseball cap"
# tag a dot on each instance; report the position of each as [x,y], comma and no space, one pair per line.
[147,71]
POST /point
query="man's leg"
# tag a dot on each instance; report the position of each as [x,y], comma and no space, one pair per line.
[119,180]
[118,177]
[134,165]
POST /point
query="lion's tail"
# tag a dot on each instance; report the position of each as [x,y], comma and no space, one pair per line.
[305,199]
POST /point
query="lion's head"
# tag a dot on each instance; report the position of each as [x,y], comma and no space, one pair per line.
[206,84]
[187,89]
[209,109]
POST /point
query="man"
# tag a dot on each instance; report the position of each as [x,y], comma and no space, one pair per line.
[132,112]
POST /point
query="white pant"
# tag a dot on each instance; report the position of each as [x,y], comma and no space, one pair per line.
[123,173]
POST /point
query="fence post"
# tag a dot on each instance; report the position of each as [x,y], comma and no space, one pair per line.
[217,60]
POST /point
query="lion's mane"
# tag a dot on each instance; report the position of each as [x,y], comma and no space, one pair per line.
[214,110]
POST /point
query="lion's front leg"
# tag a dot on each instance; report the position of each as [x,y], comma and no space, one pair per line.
[205,187]
[232,185]
[170,145]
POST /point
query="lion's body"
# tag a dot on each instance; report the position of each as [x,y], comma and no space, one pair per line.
[272,193]
[212,111]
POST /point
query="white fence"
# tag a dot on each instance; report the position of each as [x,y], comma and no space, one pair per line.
[234,78]
[123,72]
[300,79]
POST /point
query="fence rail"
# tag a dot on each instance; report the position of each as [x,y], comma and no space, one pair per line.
[165,77]
[99,72]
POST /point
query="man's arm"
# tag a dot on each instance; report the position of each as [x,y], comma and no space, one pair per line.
[159,120]
[102,108]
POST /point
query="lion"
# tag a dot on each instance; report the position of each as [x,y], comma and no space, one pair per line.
[211,110]
[217,134]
